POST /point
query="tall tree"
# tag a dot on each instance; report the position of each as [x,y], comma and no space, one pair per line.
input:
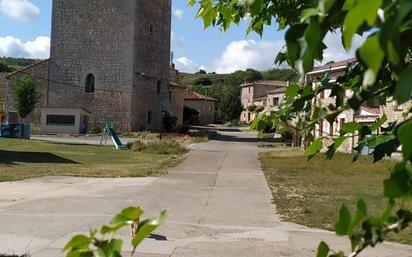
[26,97]
[384,71]
[231,106]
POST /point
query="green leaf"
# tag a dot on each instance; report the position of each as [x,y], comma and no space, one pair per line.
[147,227]
[377,124]
[337,142]
[405,137]
[292,91]
[372,54]
[323,250]
[78,242]
[350,127]
[344,222]
[399,183]
[403,90]
[132,213]
[359,12]
[361,213]
[314,148]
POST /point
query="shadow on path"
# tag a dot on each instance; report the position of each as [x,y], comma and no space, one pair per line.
[12,157]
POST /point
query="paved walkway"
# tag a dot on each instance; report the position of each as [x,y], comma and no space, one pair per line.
[218,199]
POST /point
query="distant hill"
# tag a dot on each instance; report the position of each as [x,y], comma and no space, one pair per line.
[17,63]
[213,79]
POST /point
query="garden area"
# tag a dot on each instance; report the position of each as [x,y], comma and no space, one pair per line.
[28,158]
[311,192]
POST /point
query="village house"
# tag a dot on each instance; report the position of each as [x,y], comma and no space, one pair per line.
[259,96]
[111,70]
[366,115]
[205,105]
[3,88]
[176,95]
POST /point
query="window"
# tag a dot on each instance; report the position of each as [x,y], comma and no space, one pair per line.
[61,120]
[149,117]
[170,96]
[89,87]
[159,86]
[331,128]
[2,108]
[399,107]
[321,128]
[322,95]
[276,101]
[342,122]
[151,28]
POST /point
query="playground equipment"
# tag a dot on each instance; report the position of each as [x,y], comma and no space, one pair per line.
[109,130]
[13,131]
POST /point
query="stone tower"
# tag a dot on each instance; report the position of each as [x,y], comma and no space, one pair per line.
[111,58]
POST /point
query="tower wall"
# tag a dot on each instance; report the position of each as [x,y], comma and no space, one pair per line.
[94,37]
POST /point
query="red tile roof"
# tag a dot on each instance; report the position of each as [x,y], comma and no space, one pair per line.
[334,65]
[279,83]
[374,110]
[190,95]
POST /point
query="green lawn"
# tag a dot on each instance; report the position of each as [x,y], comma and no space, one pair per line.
[27,159]
[310,193]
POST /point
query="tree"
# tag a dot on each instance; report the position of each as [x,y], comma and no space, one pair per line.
[231,106]
[383,71]
[5,68]
[201,72]
[25,97]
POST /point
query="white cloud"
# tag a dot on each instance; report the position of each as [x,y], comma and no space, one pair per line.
[243,54]
[177,41]
[39,48]
[335,51]
[184,64]
[20,10]
[177,13]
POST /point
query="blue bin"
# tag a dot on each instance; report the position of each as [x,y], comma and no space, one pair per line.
[13,131]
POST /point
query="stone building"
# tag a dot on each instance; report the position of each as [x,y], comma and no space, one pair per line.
[205,105]
[176,95]
[256,94]
[366,115]
[111,58]
[3,88]
[40,72]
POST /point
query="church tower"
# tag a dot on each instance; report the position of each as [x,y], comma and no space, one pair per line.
[111,58]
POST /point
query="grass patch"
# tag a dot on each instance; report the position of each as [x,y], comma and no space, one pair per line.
[143,135]
[28,158]
[165,147]
[311,193]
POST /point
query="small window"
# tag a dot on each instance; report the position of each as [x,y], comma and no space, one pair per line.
[89,87]
[170,96]
[321,128]
[342,122]
[151,28]
[276,101]
[331,128]
[159,86]
[399,107]
[61,120]
[149,117]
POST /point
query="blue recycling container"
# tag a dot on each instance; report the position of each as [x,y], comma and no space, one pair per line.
[13,131]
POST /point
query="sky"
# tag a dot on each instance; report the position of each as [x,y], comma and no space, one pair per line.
[25,32]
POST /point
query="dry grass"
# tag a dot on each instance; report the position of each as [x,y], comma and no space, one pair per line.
[310,193]
[27,159]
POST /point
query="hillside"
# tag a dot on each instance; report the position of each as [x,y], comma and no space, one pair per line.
[17,63]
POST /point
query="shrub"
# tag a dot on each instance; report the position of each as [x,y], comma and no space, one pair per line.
[169,122]
[159,147]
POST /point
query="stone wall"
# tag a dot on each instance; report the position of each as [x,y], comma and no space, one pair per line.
[3,89]
[152,67]
[40,72]
[125,45]
[206,110]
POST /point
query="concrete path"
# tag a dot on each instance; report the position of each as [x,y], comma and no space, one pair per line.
[219,203]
